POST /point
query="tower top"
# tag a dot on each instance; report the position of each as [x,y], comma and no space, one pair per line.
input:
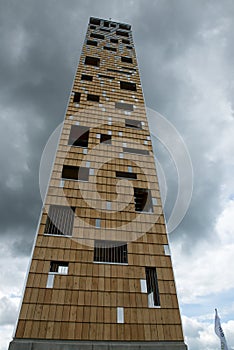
[109,23]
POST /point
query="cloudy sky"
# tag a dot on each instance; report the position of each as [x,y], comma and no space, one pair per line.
[185,53]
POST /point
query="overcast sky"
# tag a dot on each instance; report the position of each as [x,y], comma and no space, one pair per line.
[185,52]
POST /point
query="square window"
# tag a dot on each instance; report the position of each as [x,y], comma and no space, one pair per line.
[95,21]
[92,61]
[105,139]
[60,220]
[79,136]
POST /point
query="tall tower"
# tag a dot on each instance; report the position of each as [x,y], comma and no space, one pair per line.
[101,275]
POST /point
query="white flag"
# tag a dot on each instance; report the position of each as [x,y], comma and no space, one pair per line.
[219,332]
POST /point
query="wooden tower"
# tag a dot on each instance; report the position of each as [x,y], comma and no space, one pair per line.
[101,275]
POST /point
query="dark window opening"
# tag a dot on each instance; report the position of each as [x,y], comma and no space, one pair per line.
[114,41]
[129,47]
[110,48]
[79,136]
[92,42]
[60,220]
[125,175]
[127,86]
[131,69]
[105,139]
[142,200]
[135,124]
[59,267]
[86,77]
[124,106]
[92,27]
[92,61]
[76,98]
[75,173]
[110,251]
[105,76]
[121,33]
[106,24]
[113,25]
[126,59]
[135,150]
[125,41]
[97,36]
[95,21]
[94,98]
[124,26]
[118,71]
[152,285]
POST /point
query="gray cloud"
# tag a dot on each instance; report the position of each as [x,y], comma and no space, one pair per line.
[185,52]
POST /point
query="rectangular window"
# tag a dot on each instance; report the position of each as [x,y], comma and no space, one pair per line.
[97,36]
[60,267]
[75,173]
[86,77]
[105,76]
[126,85]
[129,47]
[114,41]
[125,41]
[110,48]
[143,200]
[136,151]
[91,42]
[92,27]
[126,59]
[98,223]
[94,98]
[110,252]
[124,26]
[50,280]
[120,315]
[113,25]
[79,136]
[152,286]
[122,33]
[76,98]
[135,124]
[125,175]
[92,61]
[95,21]
[104,30]
[124,106]
[105,139]
[106,24]
[60,220]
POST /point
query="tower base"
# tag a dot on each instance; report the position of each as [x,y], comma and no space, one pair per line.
[31,344]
